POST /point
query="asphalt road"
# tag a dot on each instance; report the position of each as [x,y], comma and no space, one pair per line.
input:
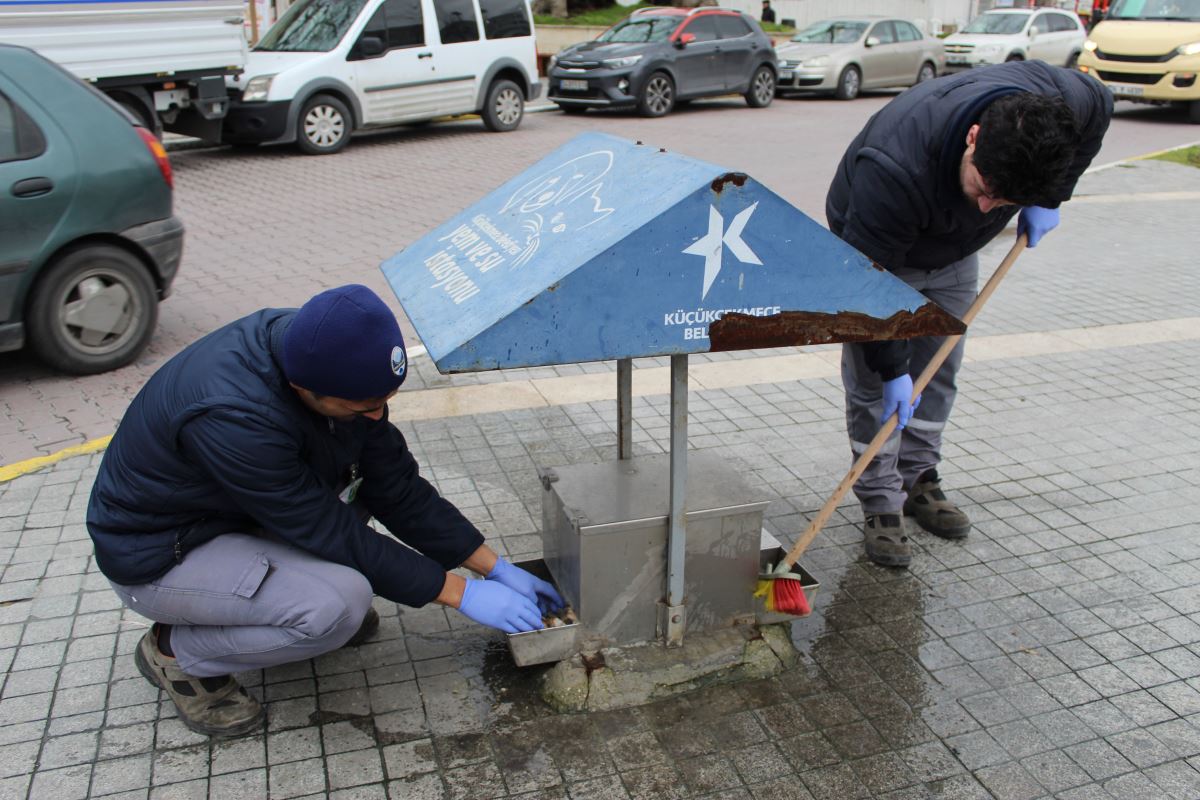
[272,227]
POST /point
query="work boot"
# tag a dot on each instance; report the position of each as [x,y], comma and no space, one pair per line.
[213,706]
[366,630]
[886,543]
[927,504]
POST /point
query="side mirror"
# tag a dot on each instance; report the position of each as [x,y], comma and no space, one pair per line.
[872,41]
[1033,32]
[685,39]
[370,46]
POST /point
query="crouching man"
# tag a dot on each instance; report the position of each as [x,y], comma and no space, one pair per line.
[231,506]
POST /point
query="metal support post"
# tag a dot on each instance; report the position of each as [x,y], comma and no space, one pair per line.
[674,610]
[624,408]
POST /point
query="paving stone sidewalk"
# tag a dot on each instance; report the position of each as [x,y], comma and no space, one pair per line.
[1054,653]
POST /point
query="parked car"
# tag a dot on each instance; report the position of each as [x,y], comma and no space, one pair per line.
[1148,53]
[849,54]
[658,57]
[330,67]
[88,242]
[1016,34]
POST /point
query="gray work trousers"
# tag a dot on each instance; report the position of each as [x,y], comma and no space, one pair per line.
[242,602]
[910,452]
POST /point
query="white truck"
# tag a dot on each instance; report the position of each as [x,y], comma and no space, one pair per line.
[165,61]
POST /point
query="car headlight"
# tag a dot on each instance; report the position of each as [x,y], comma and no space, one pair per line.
[551,63]
[1189,49]
[257,88]
[624,61]
[1090,46]
[818,61]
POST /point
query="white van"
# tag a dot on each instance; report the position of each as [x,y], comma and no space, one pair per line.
[330,67]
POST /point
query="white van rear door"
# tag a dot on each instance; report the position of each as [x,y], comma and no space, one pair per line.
[400,84]
[461,57]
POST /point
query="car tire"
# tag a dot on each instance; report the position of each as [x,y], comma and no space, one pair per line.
[762,88]
[849,83]
[1015,57]
[927,72]
[657,97]
[1194,112]
[1073,60]
[573,110]
[100,284]
[504,107]
[324,126]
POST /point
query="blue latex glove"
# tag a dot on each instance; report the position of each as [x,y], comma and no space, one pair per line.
[896,396]
[497,606]
[533,588]
[1036,222]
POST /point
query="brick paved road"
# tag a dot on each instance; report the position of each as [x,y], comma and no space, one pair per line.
[273,227]
[1054,653]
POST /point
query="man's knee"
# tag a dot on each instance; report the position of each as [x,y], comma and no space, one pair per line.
[337,607]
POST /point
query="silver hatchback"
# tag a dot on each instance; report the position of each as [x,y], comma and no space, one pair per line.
[847,55]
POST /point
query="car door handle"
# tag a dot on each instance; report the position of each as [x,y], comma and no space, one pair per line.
[32,187]
[424,55]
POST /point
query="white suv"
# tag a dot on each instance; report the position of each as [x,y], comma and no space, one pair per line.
[1053,36]
[329,67]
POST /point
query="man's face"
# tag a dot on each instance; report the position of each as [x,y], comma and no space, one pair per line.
[344,410]
[974,186]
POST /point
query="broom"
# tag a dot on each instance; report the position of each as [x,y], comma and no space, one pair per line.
[780,588]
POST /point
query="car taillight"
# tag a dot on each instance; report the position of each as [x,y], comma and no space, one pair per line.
[160,154]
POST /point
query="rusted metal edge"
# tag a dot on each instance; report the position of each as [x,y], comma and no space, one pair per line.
[793,328]
[736,178]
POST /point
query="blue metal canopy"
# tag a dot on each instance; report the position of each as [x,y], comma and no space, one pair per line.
[608,249]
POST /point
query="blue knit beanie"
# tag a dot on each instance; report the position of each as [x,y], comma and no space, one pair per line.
[345,343]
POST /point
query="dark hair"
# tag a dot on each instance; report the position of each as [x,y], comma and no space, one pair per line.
[1025,146]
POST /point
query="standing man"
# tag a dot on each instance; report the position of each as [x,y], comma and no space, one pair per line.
[768,13]
[931,179]
[231,507]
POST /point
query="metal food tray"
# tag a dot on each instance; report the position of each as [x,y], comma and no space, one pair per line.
[772,551]
[548,644]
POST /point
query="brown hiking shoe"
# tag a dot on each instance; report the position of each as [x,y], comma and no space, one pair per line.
[212,706]
[887,545]
[928,505]
[366,630]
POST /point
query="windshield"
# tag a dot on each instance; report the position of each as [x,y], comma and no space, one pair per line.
[997,23]
[1187,10]
[832,31]
[312,26]
[641,29]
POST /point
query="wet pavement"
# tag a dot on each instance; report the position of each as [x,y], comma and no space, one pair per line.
[1054,653]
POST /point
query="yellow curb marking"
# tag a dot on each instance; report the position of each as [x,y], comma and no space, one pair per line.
[7,473]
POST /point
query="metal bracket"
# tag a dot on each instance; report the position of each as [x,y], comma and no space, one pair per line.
[671,622]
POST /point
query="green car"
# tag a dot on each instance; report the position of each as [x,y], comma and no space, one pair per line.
[88,241]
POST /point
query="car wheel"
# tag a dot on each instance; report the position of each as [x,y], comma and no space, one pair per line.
[1015,57]
[573,109]
[1073,61]
[657,97]
[762,88]
[323,127]
[926,73]
[93,310]
[849,83]
[1194,112]
[504,108]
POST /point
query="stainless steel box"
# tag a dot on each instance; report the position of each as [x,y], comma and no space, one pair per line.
[604,535]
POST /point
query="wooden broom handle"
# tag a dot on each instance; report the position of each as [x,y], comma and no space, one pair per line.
[860,465]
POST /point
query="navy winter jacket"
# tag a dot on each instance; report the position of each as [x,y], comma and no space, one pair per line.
[897,195]
[217,441]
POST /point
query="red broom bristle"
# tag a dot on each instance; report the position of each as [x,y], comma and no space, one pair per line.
[789,597]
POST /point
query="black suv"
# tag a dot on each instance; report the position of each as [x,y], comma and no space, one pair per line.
[659,56]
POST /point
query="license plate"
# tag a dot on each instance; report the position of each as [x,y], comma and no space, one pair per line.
[1125,90]
[570,85]
[956,60]
[786,75]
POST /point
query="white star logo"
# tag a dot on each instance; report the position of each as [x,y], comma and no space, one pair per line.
[714,243]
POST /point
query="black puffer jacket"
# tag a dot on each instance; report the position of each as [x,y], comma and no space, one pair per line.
[897,196]
[217,441]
